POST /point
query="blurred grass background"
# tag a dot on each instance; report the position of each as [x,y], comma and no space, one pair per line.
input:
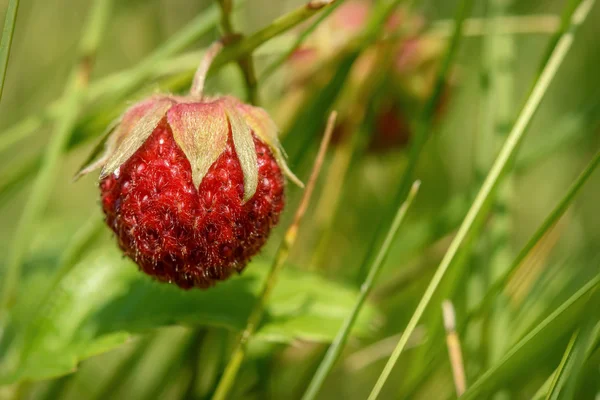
[562,139]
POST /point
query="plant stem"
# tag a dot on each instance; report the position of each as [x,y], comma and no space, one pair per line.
[476,213]
[280,25]
[233,366]
[341,338]
[246,63]
[7,36]
[454,348]
[497,89]
[564,362]
[72,98]
[197,88]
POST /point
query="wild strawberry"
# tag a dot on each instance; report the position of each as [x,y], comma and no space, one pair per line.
[192,185]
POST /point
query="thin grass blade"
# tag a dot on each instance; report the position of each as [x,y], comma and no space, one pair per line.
[577,352]
[338,344]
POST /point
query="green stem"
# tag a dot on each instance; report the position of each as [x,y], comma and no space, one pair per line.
[280,25]
[341,338]
[7,36]
[476,213]
[42,187]
[554,389]
[245,63]
[497,86]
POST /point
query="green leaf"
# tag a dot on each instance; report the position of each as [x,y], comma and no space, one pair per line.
[104,300]
[527,351]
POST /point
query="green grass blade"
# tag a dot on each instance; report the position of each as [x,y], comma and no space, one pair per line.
[563,368]
[246,64]
[280,25]
[6,42]
[540,394]
[483,198]
[577,352]
[50,164]
[342,337]
[497,85]
[543,229]
[532,346]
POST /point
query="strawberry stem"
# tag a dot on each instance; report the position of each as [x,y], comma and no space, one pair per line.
[200,75]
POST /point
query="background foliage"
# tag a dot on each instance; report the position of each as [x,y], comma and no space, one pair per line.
[81,322]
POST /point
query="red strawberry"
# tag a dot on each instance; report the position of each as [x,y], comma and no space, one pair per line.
[192,186]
